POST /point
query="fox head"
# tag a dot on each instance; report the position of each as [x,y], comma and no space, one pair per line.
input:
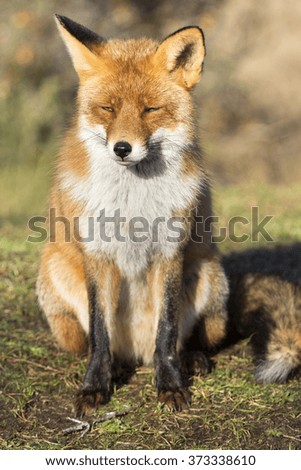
[133,97]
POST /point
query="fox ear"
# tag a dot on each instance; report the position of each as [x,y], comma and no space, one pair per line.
[80,42]
[182,54]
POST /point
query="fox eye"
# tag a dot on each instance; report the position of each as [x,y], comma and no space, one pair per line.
[152,109]
[107,108]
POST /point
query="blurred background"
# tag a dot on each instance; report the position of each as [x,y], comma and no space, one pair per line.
[249,97]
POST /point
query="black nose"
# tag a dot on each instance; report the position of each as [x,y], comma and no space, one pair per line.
[122,149]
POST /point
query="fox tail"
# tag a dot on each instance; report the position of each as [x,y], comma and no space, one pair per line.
[279,364]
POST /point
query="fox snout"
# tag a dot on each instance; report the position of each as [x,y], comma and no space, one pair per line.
[127,153]
[122,149]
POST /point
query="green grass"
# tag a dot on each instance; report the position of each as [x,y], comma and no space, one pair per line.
[280,202]
[38,382]
[24,191]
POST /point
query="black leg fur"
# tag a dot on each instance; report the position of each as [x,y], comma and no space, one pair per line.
[97,382]
[169,381]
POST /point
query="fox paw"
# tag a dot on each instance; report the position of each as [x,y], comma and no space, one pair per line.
[176,400]
[195,363]
[86,402]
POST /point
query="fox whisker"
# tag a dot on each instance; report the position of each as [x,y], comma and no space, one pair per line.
[96,135]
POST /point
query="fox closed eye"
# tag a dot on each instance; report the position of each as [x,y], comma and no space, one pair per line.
[152,109]
[107,108]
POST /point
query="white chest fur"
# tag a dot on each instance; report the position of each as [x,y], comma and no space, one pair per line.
[128,215]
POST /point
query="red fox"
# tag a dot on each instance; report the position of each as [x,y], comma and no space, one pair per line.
[137,294]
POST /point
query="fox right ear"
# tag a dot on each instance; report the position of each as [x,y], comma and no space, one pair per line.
[81,43]
[182,55]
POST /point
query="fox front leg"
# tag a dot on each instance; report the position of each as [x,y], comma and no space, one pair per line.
[96,387]
[103,283]
[172,392]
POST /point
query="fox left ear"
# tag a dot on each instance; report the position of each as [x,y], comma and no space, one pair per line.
[182,54]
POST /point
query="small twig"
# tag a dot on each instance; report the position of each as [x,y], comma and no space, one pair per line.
[111,415]
[85,426]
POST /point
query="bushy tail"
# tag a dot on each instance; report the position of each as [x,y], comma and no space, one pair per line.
[276,370]
[267,309]
[282,356]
